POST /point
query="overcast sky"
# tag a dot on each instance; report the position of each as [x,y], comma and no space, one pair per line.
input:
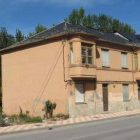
[26,14]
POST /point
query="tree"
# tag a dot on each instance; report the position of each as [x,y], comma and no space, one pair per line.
[76,17]
[39,28]
[5,38]
[102,22]
[19,36]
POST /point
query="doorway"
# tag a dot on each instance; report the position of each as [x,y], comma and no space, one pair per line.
[105,96]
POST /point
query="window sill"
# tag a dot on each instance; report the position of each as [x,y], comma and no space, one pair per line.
[106,66]
[124,68]
[126,100]
[80,103]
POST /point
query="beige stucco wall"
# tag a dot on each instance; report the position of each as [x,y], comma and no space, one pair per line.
[32,76]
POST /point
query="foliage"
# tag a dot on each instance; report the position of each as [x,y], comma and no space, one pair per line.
[48,108]
[5,38]
[102,22]
[0,112]
[19,35]
[39,28]
[62,116]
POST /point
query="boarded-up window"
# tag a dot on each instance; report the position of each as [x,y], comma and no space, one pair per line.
[79,93]
[124,60]
[71,53]
[136,61]
[125,92]
[105,58]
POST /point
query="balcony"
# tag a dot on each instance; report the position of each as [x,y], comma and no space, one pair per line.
[83,71]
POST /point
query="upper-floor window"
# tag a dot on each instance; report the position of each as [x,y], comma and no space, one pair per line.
[87,54]
[105,58]
[71,53]
[136,61]
[124,60]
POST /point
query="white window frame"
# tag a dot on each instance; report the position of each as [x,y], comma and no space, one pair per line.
[105,58]
[71,53]
[124,60]
[79,98]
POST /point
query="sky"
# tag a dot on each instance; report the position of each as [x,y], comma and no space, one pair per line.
[26,14]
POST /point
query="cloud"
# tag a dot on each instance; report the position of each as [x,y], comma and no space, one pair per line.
[68,3]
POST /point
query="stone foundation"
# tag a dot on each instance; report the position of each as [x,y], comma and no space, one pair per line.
[76,110]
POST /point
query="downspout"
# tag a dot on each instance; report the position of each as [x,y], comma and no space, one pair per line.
[64,43]
[133,70]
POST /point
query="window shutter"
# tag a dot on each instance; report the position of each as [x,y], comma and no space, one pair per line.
[125,93]
[124,60]
[105,58]
[79,93]
[136,61]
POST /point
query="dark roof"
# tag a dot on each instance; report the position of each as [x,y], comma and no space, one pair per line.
[130,37]
[68,28]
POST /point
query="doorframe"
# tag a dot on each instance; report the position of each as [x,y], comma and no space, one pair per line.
[104,109]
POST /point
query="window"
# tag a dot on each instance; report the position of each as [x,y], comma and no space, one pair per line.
[125,92]
[136,61]
[79,93]
[105,58]
[124,60]
[87,56]
[71,53]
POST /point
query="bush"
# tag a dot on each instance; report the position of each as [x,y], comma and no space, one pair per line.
[33,120]
[62,116]
[48,108]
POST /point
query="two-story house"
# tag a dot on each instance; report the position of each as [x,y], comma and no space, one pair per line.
[84,70]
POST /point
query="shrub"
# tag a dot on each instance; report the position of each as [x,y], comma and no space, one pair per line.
[48,108]
[62,116]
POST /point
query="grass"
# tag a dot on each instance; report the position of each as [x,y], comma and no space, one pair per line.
[23,119]
[20,119]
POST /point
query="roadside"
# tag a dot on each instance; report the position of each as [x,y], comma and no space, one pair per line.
[70,121]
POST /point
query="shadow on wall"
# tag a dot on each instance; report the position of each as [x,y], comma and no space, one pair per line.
[97,54]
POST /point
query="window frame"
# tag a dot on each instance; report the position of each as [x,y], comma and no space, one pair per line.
[136,61]
[105,50]
[126,100]
[85,46]
[83,94]
[122,65]
[71,49]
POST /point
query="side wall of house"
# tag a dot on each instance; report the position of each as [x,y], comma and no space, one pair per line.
[33,75]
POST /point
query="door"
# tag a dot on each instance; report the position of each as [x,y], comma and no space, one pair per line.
[79,93]
[105,96]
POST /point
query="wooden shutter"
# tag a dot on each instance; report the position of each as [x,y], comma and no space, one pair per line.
[79,93]
[136,61]
[105,58]
[124,60]
[125,93]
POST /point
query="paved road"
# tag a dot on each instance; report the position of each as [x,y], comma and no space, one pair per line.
[127,128]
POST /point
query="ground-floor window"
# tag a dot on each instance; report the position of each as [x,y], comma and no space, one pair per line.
[79,93]
[125,92]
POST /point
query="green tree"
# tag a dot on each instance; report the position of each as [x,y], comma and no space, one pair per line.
[5,38]
[19,36]
[39,28]
[102,22]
